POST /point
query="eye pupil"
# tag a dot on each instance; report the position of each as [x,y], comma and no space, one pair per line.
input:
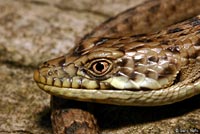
[99,67]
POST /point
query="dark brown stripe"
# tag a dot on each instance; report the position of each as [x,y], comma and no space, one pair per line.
[61,62]
[145,40]
[123,63]
[153,59]
[183,34]
[164,42]
[77,51]
[155,8]
[197,43]
[195,21]
[138,35]
[174,30]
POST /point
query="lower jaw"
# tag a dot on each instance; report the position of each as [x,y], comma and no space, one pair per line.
[110,96]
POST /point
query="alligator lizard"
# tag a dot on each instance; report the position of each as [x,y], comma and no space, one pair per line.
[151,69]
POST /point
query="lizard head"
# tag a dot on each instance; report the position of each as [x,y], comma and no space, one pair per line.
[107,63]
[87,67]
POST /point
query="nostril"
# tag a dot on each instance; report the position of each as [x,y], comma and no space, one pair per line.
[46,64]
[50,73]
[56,71]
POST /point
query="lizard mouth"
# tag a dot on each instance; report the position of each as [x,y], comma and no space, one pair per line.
[67,82]
[120,97]
[88,95]
[59,87]
[51,81]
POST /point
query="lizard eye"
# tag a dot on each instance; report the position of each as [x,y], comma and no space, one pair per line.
[100,67]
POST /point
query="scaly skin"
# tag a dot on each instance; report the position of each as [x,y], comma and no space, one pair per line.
[144,70]
[112,65]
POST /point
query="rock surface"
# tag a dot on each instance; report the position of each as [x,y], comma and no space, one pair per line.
[33,31]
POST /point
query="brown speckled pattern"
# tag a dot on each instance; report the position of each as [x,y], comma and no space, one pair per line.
[144,69]
[160,56]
